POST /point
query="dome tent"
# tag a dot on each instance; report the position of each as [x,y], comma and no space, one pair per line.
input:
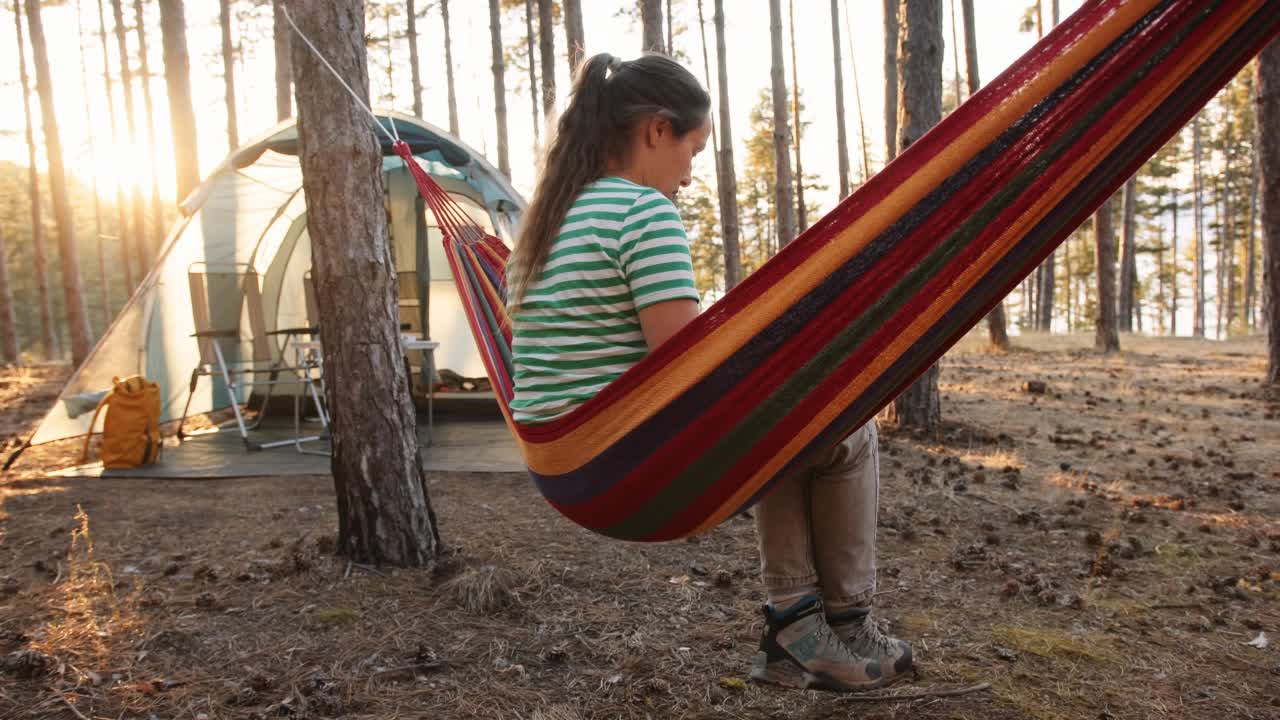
[250,211]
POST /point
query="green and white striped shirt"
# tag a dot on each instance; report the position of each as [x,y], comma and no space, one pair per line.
[621,248]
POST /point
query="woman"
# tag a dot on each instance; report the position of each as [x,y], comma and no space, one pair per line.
[601,275]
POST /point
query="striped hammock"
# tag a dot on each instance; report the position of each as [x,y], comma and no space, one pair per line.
[830,330]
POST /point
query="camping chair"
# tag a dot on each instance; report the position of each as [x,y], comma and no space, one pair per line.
[221,339]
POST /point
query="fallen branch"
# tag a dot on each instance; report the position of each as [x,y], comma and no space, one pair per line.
[939,692]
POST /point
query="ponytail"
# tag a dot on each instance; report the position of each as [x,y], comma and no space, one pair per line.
[607,98]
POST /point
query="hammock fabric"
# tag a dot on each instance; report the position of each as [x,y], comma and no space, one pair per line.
[830,330]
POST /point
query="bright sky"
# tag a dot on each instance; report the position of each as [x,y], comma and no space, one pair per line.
[747,29]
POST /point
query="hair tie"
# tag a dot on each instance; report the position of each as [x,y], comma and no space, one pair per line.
[615,63]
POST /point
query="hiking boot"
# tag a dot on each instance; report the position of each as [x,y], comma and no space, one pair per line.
[798,649]
[858,631]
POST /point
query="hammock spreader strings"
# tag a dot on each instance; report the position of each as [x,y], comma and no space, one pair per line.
[822,336]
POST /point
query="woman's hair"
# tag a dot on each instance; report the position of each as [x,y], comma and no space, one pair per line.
[608,97]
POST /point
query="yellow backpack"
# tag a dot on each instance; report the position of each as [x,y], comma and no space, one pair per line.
[131,429]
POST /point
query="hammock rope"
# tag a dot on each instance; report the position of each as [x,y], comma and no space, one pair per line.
[825,334]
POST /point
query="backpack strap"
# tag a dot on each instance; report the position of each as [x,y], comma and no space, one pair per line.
[84,451]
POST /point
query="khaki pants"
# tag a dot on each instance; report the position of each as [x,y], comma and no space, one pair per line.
[818,527]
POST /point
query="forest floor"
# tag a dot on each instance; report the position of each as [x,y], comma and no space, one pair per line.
[1107,549]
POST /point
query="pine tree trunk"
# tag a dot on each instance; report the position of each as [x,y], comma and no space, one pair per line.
[728,175]
[891,29]
[448,69]
[802,221]
[1251,246]
[842,140]
[8,320]
[103,279]
[73,296]
[533,73]
[1219,275]
[857,99]
[671,48]
[1106,339]
[1267,82]
[500,85]
[122,219]
[997,324]
[1198,227]
[547,50]
[651,21]
[384,510]
[228,73]
[1173,270]
[1228,268]
[707,78]
[920,91]
[48,345]
[144,69]
[415,70]
[785,206]
[281,39]
[137,222]
[177,78]
[1125,304]
[574,36]
[955,53]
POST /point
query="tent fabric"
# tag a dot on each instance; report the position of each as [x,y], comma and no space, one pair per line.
[831,329]
[251,211]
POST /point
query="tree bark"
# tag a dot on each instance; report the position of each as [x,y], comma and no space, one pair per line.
[706,70]
[73,296]
[448,69]
[651,20]
[415,71]
[920,90]
[785,207]
[122,219]
[384,510]
[1173,271]
[1106,339]
[533,74]
[1197,182]
[955,53]
[8,320]
[103,280]
[500,85]
[177,78]
[728,175]
[997,323]
[671,47]
[547,49]
[144,69]
[281,39]
[857,99]
[1251,245]
[1267,82]
[891,29]
[48,345]
[574,36]
[802,221]
[1125,305]
[842,140]
[228,73]
[138,221]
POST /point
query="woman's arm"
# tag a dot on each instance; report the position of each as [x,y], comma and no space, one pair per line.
[661,320]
